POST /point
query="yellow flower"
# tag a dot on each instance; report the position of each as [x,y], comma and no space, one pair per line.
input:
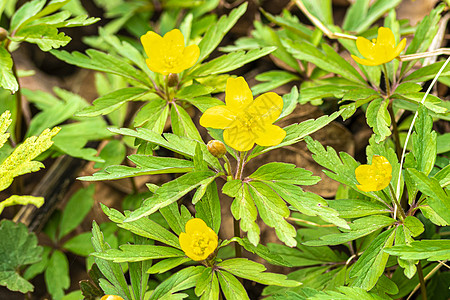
[374,177]
[168,54]
[246,121]
[379,51]
[111,297]
[199,241]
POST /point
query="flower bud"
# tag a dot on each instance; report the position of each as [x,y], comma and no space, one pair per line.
[173,79]
[217,148]
[3,34]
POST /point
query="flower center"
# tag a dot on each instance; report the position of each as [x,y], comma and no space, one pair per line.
[170,60]
[201,244]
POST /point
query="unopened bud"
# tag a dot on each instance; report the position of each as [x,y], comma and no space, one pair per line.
[217,148]
[173,79]
[3,34]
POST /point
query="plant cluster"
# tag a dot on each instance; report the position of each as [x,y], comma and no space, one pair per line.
[384,235]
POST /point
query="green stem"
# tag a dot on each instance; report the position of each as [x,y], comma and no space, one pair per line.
[240,166]
[423,288]
[228,165]
[386,80]
[398,147]
[166,87]
[18,126]
[399,207]
[237,233]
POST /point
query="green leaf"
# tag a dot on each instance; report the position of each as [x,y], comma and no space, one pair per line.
[21,160]
[80,244]
[302,256]
[273,211]
[167,264]
[181,280]
[113,154]
[207,285]
[153,115]
[215,34]
[254,271]
[424,141]
[25,13]
[112,101]
[308,203]
[321,9]
[327,60]
[414,225]
[432,250]
[424,35]
[76,209]
[19,248]
[228,62]
[284,173]
[57,275]
[360,16]
[243,208]
[103,62]
[143,227]
[21,200]
[45,36]
[112,271]
[438,199]
[427,72]
[182,123]
[180,145]
[356,208]
[359,228]
[208,208]
[171,192]
[370,266]
[133,253]
[263,252]
[7,79]
[38,267]
[176,216]
[146,165]
[231,287]
[346,293]
[378,119]
[272,80]
[297,132]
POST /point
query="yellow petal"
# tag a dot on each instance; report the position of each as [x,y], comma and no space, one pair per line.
[376,176]
[173,43]
[365,47]
[195,224]
[156,65]
[266,108]
[271,135]
[386,38]
[399,48]
[240,139]
[152,45]
[219,117]
[185,241]
[190,56]
[365,62]
[237,94]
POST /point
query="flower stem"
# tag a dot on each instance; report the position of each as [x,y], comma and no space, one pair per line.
[237,233]
[18,127]
[240,165]
[166,87]
[396,203]
[228,165]
[386,80]
[398,147]
[423,288]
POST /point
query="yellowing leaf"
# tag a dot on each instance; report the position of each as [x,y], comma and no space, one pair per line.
[21,160]
[5,121]
[21,200]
